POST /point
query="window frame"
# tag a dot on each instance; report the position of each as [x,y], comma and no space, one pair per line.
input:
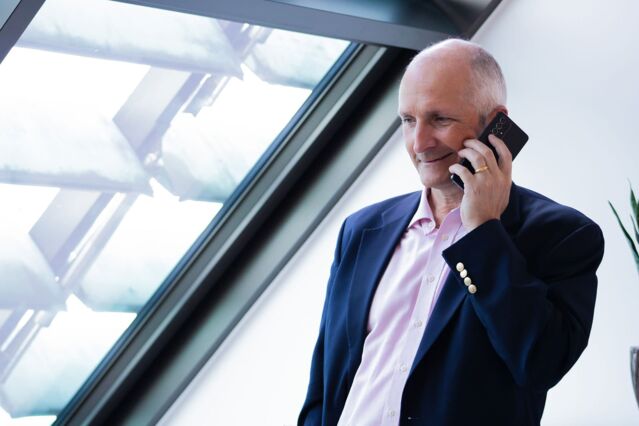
[320,155]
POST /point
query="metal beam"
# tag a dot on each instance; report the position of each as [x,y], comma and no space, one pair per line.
[313,21]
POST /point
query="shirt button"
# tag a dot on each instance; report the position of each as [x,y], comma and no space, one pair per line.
[391,413]
[460,267]
[403,368]
[418,323]
[444,237]
[472,289]
[430,278]
[467,281]
[463,273]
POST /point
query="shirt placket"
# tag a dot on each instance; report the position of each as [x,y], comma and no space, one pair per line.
[431,280]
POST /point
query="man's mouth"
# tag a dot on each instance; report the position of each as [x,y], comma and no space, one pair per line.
[434,160]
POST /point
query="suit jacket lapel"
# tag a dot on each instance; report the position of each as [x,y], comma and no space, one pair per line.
[447,303]
[454,293]
[376,247]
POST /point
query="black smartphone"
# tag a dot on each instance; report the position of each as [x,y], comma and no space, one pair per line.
[506,130]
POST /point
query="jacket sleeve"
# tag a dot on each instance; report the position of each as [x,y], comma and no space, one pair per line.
[539,325]
[311,413]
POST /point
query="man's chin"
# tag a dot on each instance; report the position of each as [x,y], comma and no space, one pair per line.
[442,182]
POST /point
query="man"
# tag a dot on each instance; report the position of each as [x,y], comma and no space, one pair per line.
[451,307]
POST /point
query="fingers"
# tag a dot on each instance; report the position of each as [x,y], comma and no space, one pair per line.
[486,155]
[461,171]
[475,158]
[505,157]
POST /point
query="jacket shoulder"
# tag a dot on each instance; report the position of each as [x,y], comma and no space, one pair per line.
[551,233]
[537,210]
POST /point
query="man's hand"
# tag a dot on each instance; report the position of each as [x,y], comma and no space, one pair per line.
[486,193]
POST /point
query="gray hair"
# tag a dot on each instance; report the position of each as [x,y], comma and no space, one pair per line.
[488,86]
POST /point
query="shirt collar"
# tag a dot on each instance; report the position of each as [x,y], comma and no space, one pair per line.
[423,210]
[425,213]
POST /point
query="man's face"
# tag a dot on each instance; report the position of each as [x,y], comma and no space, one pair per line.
[437,116]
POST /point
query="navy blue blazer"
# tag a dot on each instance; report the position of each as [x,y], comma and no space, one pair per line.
[486,358]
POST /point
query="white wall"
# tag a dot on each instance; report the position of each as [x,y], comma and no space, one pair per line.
[571,67]
[572,73]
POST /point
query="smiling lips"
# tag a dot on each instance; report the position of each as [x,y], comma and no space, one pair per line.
[436,159]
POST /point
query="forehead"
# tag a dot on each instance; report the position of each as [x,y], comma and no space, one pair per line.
[435,84]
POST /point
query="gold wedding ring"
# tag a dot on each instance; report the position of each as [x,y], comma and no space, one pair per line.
[481,169]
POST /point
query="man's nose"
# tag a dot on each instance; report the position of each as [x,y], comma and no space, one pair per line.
[424,137]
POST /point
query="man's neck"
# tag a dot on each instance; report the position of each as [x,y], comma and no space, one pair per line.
[443,201]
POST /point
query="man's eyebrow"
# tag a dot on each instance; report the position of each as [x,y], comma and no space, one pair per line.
[448,114]
[429,114]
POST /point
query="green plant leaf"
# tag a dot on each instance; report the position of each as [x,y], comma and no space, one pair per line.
[634,225]
[626,234]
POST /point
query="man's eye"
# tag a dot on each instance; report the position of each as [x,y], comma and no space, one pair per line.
[441,119]
[407,120]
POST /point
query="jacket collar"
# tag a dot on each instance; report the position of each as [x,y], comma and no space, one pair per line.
[404,209]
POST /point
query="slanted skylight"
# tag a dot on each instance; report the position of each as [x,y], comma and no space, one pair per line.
[124,131]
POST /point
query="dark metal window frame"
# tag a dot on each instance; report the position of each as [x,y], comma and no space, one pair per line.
[322,154]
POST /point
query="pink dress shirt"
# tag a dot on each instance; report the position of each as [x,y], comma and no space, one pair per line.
[400,310]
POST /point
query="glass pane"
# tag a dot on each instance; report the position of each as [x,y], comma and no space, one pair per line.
[6,9]
[123,132]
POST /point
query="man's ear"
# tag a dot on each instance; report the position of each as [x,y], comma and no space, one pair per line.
[493,113]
